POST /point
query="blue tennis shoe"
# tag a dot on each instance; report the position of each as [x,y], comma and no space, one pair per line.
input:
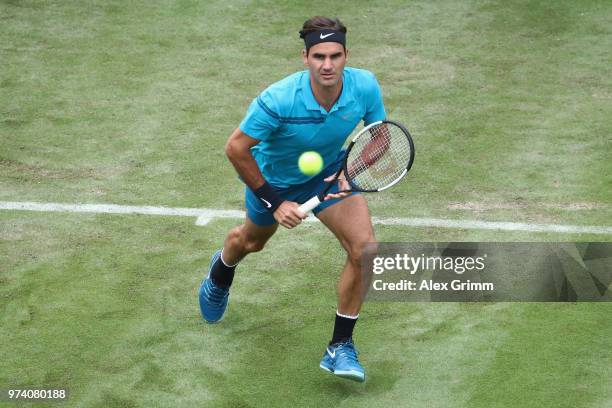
[213,299]
[341,359]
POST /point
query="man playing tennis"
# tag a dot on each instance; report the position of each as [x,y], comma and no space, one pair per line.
[316,109]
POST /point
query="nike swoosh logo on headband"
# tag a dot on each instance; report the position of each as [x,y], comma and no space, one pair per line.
[325,36]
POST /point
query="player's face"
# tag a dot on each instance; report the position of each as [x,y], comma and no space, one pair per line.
[326,62]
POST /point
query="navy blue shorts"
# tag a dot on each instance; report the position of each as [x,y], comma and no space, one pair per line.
[300,193]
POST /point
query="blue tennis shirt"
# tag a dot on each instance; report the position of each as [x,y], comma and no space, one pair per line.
[288,120]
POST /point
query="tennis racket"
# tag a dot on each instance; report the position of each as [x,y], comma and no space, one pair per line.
[377,158]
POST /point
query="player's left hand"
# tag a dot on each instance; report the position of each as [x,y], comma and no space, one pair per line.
[342,185]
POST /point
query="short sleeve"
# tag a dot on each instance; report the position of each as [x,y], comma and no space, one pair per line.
[375,109]
[261,120]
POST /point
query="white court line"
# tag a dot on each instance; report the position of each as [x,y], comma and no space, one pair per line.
[204,215]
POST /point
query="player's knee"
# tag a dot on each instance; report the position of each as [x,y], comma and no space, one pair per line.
[245,241]
[356,251]
[235,235]
[355,256]
[253,245]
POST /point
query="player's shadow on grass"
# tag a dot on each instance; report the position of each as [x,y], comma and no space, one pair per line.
[381,377]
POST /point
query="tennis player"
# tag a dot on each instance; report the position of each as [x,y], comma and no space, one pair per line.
[316,109]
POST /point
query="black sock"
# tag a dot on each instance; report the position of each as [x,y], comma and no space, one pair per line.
[343,329]
[221,274]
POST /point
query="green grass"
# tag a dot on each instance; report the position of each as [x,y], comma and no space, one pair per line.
[131,103]
[110,311]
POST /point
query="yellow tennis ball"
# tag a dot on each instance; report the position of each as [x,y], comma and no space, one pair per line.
[310,163]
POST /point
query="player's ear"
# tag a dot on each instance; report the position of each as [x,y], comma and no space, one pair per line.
[304,56]
[346,53]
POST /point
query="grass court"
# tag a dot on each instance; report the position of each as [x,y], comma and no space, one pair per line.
[131,103]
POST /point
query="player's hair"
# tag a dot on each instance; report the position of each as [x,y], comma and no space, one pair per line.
[319,22]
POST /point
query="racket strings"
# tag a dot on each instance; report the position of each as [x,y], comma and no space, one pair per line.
[379,157]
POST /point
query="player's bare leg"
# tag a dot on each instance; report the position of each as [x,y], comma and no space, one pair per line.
[350,222]
[244,239]
[240,241]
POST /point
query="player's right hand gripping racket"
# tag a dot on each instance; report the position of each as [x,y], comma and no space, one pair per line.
[377,158]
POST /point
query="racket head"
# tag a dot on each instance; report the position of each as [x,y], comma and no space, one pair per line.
[378,157]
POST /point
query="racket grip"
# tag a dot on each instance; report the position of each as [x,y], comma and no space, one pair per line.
[310,204]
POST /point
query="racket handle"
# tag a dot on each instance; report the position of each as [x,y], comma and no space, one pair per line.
[310,204]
